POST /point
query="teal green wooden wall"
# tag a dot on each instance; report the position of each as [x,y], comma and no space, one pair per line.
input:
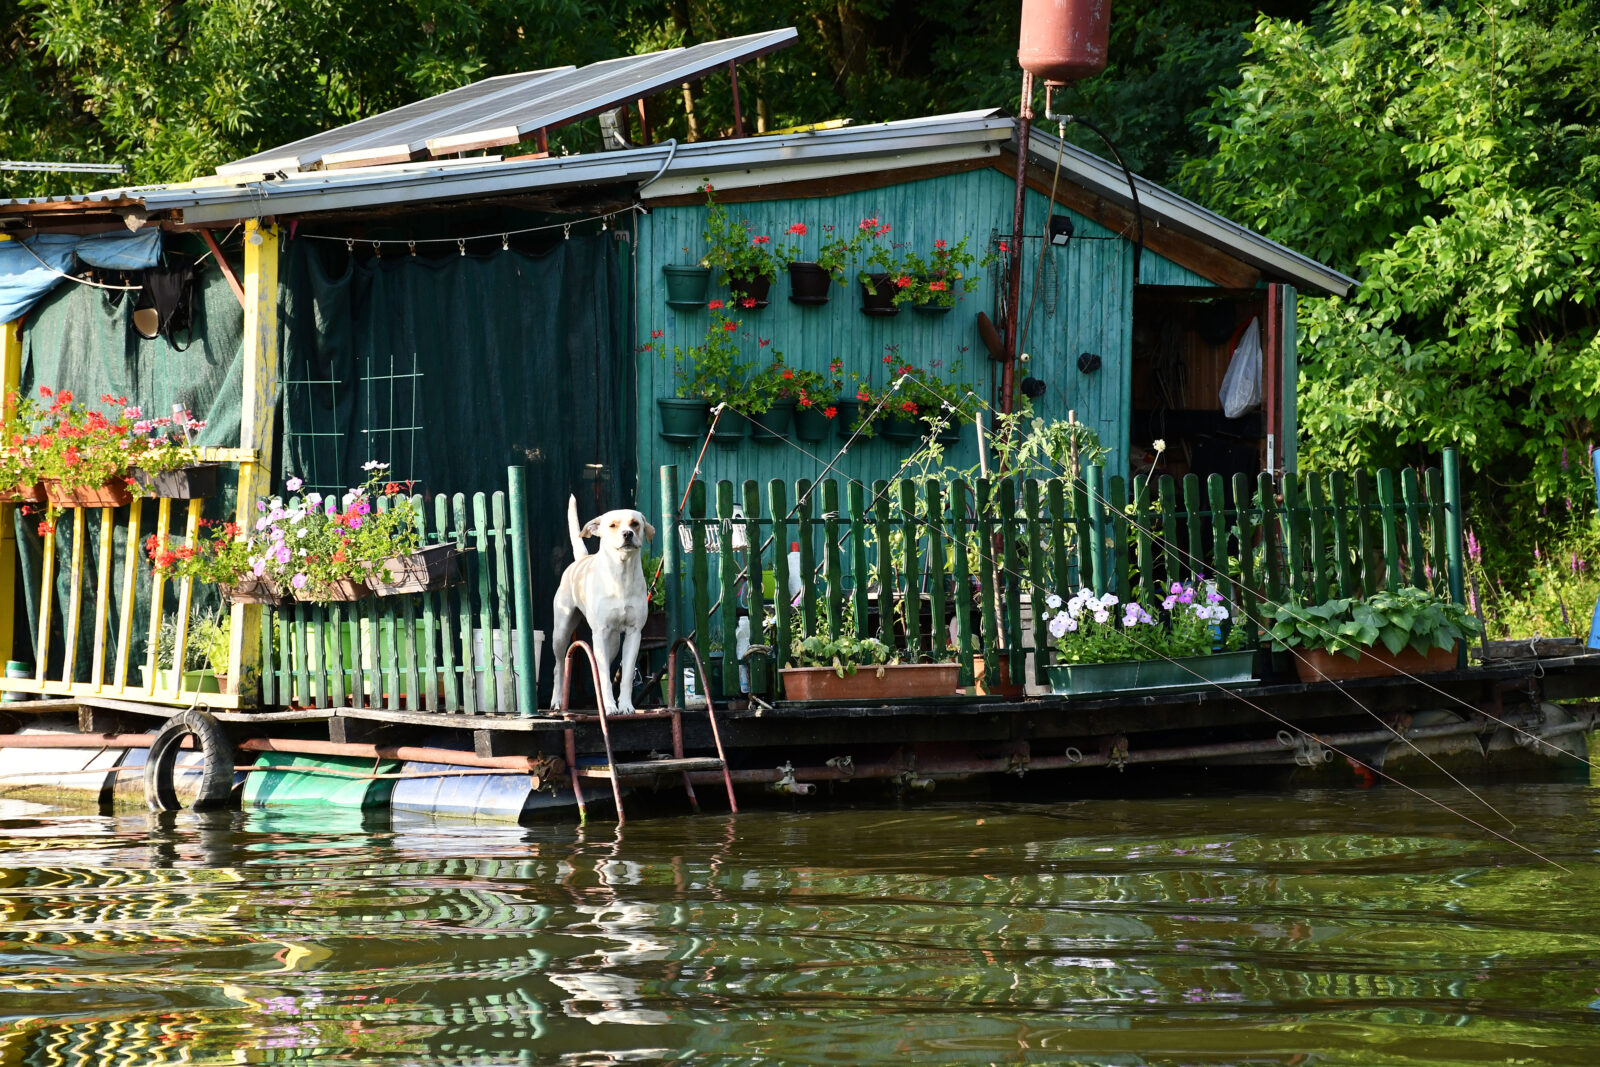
[1092,313]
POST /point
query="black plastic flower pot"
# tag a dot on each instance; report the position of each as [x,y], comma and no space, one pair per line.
[808,284]
[877,298]
[772,425]
[901,431]
[185,483]
[731,430]
[682,420]
[686,285]
[428,568]
[749,293]
[811,425]
[848,412]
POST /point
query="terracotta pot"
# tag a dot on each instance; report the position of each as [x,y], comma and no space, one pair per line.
[112,493]
[1000,684]
[1317,665]
[897,682]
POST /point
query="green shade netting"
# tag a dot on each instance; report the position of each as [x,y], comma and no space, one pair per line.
[81,338]
[454,368]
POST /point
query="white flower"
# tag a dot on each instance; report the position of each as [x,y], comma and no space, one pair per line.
[301,532]
[1052,602]
[313,499]
[1109,600]
[1058,625]
[1102,616]
[1072,624]
[1159,445]
[1086,594]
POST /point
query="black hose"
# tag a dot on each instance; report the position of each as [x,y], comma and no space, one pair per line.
[1133,190]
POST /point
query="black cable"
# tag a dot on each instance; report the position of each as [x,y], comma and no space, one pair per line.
[1133,190]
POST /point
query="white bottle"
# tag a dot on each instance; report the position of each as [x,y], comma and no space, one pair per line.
[797,582]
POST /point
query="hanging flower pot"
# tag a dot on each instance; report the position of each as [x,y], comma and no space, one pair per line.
[731,430]
[932,309]
[686,285]
[682,419]
[949,434]
[808,284]
[813,425]
[748,292]
[424,570]
[255,591]
[877,296]
[901,431]
[772,425]
[185,483]
[112,493]
[849,411]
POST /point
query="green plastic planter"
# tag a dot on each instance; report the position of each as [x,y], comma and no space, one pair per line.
[772,425]
[901,431]
[686,286]
[811,425]
[682,420]
[1231,669]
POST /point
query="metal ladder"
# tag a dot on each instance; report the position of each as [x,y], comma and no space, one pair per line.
[641,770]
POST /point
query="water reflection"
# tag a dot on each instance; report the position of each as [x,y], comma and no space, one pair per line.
[1356,927]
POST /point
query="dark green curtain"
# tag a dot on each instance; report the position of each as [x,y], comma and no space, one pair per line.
[81,338]
[500,359]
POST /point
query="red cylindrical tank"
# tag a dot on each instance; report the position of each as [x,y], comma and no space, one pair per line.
[1064,40]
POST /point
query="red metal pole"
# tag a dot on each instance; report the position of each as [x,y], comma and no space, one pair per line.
[1014,282]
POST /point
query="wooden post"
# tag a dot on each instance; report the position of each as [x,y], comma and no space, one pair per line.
[1453,527]
[522,594]
[255,433]
[1097,529]
[671,568]
[10,381]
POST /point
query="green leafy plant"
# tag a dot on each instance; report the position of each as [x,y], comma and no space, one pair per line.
[1187,621]
[732,249]
[211,635]
[936,279]
[194,652]
[846,653]
[1408,617]
[716,370]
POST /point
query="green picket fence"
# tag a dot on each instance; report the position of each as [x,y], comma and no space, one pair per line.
[468,649]
[925,565]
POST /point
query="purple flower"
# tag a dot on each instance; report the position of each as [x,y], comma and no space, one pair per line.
[293,484]
[1474,550]
[282,554]
[298,581]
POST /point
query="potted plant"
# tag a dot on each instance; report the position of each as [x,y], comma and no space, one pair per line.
[81,456]
[810,280]
[196,674]
[878,287]
[746,261]
[1102,645]
[168,463]
[711,373]
[854,668]
[931,283]
[1407,631]
[784,387]
[816,409]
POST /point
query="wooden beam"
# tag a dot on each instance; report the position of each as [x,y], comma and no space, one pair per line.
[255,433]
[10,381]
[1212,264]
[227,268]
[818,187]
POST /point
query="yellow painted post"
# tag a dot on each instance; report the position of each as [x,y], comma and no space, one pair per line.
[158,588]
[10,381]
[102,595]
[191,530]
[80,533]
[130,578]
[255,434]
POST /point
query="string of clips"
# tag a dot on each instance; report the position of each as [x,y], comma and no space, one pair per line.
[461,242]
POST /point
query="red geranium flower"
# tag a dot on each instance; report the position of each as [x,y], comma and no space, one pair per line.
[938,287]
[787,373]
[938,244]
[863,396]
[760,240]
[830,411]
[903,281]
[658,333]
[391,488]
[715,305]
[799,228]
[909,406]
[748,302]
[730,326]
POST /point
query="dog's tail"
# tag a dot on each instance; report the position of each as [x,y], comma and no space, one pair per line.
[579,549]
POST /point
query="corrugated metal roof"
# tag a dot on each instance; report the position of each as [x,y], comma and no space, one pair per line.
[1166,208]
[506,109]
[668,169]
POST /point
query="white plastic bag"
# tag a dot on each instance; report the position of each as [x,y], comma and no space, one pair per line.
[1241,386]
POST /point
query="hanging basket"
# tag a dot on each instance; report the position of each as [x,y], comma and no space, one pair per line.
[186,483]
[428,568]
[255,591]
[809,284]
[772,425]
[812,426]
[112,493]
[682,420]
[901,431]
[753,289]
[877,299]
[731,430]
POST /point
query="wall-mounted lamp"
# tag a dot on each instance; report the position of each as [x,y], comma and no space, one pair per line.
[1060,229]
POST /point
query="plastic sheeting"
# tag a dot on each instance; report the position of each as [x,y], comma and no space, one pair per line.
[30,269]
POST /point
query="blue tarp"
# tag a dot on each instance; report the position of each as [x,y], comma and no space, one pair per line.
[28,273]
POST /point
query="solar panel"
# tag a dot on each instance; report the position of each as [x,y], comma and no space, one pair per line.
[506,109]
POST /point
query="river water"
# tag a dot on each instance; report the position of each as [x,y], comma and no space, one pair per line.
[1295,928]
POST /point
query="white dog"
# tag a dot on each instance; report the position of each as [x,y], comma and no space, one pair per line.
[609,588]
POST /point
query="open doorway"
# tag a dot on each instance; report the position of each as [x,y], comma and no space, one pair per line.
[1183,342]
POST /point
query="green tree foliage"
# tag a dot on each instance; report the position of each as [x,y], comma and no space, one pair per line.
[1449,156]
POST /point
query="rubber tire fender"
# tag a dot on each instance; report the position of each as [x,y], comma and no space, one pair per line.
[216,782]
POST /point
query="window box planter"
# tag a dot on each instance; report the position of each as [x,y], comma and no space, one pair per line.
[753,288]
[811,425]
[341,591]
[1320,665]
[1231,669]
[112,493]
[31,494]
[256,591]
[808,284]
[682,420]
[185,483]
[879,304]
[893,682]
[428,568]
[686,286]
[773,424]
[995,683]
